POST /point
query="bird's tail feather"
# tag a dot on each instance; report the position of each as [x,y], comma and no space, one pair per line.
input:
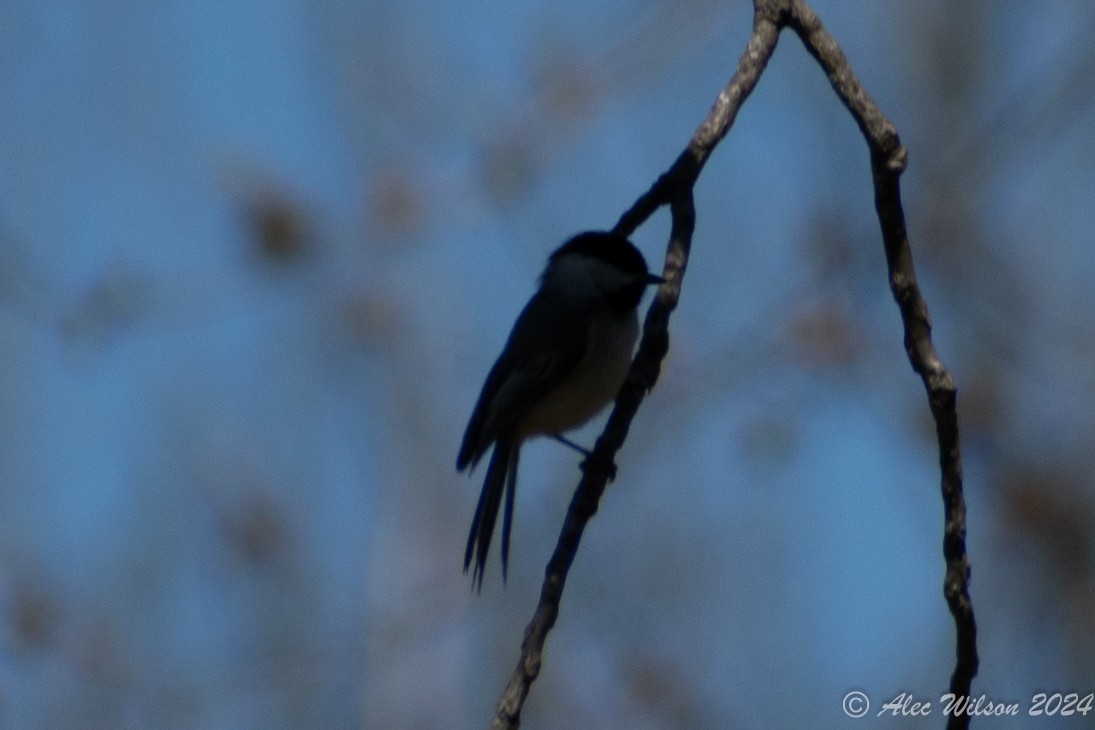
[507,516]
[501,474]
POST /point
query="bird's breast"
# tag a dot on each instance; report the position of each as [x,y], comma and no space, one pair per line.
[593,383]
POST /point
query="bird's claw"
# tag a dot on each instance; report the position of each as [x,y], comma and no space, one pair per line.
[585,465]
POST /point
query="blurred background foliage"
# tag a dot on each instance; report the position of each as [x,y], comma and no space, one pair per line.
[256,258]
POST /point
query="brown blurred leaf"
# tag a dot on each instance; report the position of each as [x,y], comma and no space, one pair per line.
[277,226]
[396,202]
[824,336]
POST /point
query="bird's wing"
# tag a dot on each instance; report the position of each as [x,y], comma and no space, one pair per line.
[542,350]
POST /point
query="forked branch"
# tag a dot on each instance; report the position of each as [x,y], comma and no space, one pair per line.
[674,188]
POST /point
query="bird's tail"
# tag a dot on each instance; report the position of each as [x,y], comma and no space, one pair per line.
[501,473]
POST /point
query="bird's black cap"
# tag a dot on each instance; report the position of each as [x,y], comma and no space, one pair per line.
[611,248]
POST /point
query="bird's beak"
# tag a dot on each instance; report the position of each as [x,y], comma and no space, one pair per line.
[654,279]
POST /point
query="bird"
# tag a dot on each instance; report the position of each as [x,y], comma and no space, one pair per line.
[565,359]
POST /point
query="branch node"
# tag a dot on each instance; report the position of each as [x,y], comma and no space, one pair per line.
[898,159]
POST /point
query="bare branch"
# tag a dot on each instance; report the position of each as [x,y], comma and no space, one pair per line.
[888,160]
[674,188]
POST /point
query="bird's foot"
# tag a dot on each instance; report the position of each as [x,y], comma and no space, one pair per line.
[587,454]
[585,465]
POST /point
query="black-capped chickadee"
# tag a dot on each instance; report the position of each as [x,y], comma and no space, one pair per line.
[566,359]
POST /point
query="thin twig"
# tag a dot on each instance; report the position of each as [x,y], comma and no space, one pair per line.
[888,159]
[674,188]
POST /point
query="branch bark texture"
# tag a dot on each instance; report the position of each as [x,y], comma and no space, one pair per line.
[675,189]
